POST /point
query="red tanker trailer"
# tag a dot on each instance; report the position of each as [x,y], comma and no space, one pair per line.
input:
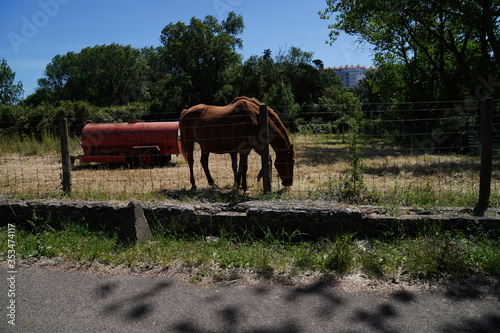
[139,143]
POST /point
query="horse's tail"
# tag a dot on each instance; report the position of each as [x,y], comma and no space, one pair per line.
[183,146]
[185,137]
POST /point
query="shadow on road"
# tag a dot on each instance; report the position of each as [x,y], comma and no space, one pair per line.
[135,307]
[318,307]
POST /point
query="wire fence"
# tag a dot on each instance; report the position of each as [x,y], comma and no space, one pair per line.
[409,154]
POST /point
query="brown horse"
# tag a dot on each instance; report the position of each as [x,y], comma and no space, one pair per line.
[234,129]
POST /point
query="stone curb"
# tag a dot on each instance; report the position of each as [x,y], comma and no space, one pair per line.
[132,220]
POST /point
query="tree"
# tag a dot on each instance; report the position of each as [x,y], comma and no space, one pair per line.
[340,107]
[10,92]
[445,46]
[292,67]
[432,50]
[303,77]
[318,63]
[281,99]
[199,60]
[103,75]
[257,74]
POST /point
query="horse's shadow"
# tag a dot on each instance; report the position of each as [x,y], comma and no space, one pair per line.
[227,194]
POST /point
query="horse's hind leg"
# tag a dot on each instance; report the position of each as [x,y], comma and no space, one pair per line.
[204,164]
[190,160]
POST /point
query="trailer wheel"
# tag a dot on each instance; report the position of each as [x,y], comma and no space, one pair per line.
[146,159]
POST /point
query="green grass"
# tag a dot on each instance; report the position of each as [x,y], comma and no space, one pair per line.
[429,255]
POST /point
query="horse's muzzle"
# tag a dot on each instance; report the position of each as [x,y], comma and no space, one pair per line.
[287,182]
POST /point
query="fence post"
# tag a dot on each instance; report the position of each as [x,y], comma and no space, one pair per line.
[486,154]
[264,142]
[66,160]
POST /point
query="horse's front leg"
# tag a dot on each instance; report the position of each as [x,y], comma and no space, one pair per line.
[261,172]
[204,164]
[242,172]
[234,166]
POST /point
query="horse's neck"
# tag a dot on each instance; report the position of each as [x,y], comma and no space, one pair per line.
[279,140]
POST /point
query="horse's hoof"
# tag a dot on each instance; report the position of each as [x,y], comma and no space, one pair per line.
[194,189]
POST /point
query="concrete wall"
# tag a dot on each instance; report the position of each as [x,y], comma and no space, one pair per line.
[311,218]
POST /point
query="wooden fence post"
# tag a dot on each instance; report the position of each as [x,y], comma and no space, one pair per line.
[486,154]
[264,141]
[66,160]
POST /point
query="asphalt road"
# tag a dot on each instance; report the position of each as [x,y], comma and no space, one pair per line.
[61,301]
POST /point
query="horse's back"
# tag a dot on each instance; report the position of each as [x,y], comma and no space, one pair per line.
[220,129]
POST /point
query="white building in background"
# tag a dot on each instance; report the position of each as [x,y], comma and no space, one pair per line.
[351,75]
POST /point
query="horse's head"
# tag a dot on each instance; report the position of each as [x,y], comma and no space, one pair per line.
[285,159]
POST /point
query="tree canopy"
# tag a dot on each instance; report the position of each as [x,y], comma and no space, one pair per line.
[199,59]
[447,47]
[197,62]
[103,75]
[10,92]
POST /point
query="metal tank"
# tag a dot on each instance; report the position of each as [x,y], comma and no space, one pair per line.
[140,143]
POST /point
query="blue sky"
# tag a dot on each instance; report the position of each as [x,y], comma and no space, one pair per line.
[32,32]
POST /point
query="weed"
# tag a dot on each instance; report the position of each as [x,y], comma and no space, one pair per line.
[353,185]
[198,277]
[340,255]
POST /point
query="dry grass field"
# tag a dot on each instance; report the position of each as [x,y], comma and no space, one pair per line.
[391,176]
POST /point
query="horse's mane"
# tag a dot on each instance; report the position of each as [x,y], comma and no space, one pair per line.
[273,115]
